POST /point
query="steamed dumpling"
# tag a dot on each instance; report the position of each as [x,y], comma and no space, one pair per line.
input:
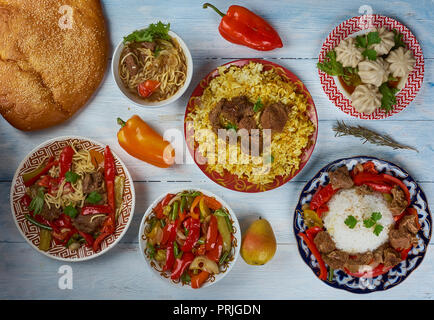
[401,62]
[366,98]
[374,71]
[387,41]
[348,54]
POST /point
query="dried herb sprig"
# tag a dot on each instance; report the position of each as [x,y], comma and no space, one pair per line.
[341,129]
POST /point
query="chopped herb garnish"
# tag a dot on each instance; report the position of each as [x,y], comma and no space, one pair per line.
[377,230]
[398,39]
[389,98]
[258,105]
[231,126]
[154,31]
[70,211]
[371,54]
[37,202]
[364,41]
[185,278]
[94,197]
[369,223]
[71,176]
[351,222]
[330,65]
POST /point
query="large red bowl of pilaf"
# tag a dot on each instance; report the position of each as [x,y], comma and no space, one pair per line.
[362,224]
[246,84]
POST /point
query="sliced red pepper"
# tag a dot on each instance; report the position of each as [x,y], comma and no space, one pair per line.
[404,253]
[170,257]
[181,264]
[215,253]
[65,162]
[377,271]
[211,234]
[160,206]
[199,279]
[322,196]
[312,232]
[312,247]
[108,228]
[47,168]
[96,208]
[26,200]
[87,237]
[109,175]
[193,227]
[379,187]
[401,184]
[169,233]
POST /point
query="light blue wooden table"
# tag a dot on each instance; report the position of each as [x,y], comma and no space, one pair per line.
[303,26]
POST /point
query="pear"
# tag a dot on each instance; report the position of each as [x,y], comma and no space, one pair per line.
[258,243]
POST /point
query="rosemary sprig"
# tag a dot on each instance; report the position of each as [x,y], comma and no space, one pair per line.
[341,129]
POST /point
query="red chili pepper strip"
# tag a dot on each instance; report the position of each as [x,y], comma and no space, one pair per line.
[383,188]
[193,227]
[241,26]
[96,208]
[47,168]
[312,232]
[322,196]
[87,237]
[199,279]
[65,162]
[181,265]
[170,257]
[107,229]
[312,247]
[215,253]
[159,208]
[211,234]
[109,174]
[169,233]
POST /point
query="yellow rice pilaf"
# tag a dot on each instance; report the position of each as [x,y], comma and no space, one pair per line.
[286,147]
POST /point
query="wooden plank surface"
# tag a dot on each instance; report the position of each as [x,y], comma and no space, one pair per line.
[303,25]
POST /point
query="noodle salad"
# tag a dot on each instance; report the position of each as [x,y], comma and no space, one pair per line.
[75,198]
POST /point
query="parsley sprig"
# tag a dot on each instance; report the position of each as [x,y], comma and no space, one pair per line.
[367,40]
[157,30]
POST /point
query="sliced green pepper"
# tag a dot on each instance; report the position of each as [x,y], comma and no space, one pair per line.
[44,239]
[223,229]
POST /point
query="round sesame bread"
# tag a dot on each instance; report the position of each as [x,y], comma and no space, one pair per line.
[53,56]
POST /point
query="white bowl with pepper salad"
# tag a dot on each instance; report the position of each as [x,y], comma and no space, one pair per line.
[190,238]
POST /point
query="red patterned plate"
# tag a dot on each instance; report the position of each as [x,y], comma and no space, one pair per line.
[30,232]
[358,24]
[232,181]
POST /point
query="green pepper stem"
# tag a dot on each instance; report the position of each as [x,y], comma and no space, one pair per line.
[121,122]
[206,5]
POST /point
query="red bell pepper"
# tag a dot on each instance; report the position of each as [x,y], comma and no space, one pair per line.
[170,257]
[198,279]
[215,253]
[211,234]
[193,227]
[109,175]
[169,233]
[65,162]
[322,196]
[312,247]
[146,88]
[87,237]
[312,232]
[241,26]
[96,208]
[47,168]
[181,264]
[160,206]
[108,228]
[379,187]
[26,200]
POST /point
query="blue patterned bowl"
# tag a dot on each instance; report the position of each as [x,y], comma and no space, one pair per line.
[400,272]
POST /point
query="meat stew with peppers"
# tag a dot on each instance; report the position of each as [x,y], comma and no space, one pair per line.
[189,238]
[74,198]
[324,232]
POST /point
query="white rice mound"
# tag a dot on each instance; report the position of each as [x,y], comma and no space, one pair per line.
[360,239]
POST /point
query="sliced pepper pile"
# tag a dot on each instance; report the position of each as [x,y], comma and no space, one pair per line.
[190,235]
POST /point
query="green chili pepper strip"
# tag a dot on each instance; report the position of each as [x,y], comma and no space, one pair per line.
[36,223]
[183,203]
[223,257]
[175,210]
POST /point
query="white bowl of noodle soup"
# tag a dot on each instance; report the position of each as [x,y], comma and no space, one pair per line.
[135,98]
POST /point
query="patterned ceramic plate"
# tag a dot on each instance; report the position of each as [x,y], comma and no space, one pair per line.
[30,232]
[354,25]
[232,181]
[399,273]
